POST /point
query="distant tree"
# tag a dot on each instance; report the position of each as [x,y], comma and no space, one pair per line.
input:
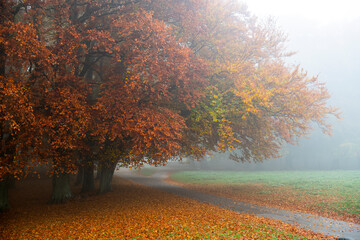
[346,156]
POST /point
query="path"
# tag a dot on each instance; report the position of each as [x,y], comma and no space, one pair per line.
[315,223]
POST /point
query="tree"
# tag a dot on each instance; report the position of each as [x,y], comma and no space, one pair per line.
[105,71]
[49,118]
[255,101]
[151,80]
[20,141]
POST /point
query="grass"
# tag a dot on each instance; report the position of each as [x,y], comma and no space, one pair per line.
[334,192]
[131,211]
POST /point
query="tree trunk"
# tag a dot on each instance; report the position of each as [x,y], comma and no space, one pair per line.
[61,191]
[4,196]
[106,178]
[98,172]
[2,60]
[11,181]
[88,182]
[80,176]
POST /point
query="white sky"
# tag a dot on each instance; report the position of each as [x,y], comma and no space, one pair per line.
[320,31]
[326,36]
[321,12]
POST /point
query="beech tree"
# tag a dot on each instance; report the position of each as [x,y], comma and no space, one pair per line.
[255,101]
[20,141]
[42,66]
[158,78]
[105,71]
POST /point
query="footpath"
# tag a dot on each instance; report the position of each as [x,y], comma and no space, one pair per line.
[315,223]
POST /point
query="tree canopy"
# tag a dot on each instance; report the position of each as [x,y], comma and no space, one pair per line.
[144,81]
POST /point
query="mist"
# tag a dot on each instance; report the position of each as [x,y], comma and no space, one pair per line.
[325,36]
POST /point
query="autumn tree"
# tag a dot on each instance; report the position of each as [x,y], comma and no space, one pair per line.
[44,111]
[18,126]
[138,76]
[102,75]
[255,101]
[148,84]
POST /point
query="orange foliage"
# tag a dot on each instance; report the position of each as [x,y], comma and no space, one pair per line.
[56,114]
[145,81]
[123,85]
[255,101]
[151,81]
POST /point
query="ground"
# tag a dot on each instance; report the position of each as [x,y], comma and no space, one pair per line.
[333,194]
[131,211]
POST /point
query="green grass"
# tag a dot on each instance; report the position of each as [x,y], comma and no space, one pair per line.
[343,184]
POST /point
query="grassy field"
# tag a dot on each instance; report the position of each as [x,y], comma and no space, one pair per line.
[330,193]
[131,211]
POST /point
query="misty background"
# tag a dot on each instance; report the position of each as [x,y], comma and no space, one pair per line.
[326,38]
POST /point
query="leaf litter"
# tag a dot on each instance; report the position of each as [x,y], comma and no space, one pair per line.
[132,211]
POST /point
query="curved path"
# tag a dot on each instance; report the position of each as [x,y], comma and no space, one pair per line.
[318,224]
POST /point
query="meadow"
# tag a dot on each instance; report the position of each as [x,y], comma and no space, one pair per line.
[329,193]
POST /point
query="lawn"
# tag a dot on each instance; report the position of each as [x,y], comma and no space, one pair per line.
[131,211]
[328,193]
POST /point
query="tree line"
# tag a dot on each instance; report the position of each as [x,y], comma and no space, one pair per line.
[128,82]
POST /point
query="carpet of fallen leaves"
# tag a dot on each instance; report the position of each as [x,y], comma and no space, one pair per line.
[278,197]
[131,211]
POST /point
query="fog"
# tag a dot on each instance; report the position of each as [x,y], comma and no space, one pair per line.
[325,36]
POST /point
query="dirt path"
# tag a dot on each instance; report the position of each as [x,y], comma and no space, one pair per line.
[317,224]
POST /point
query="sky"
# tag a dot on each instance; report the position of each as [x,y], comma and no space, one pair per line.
[325,34]
[320,12]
